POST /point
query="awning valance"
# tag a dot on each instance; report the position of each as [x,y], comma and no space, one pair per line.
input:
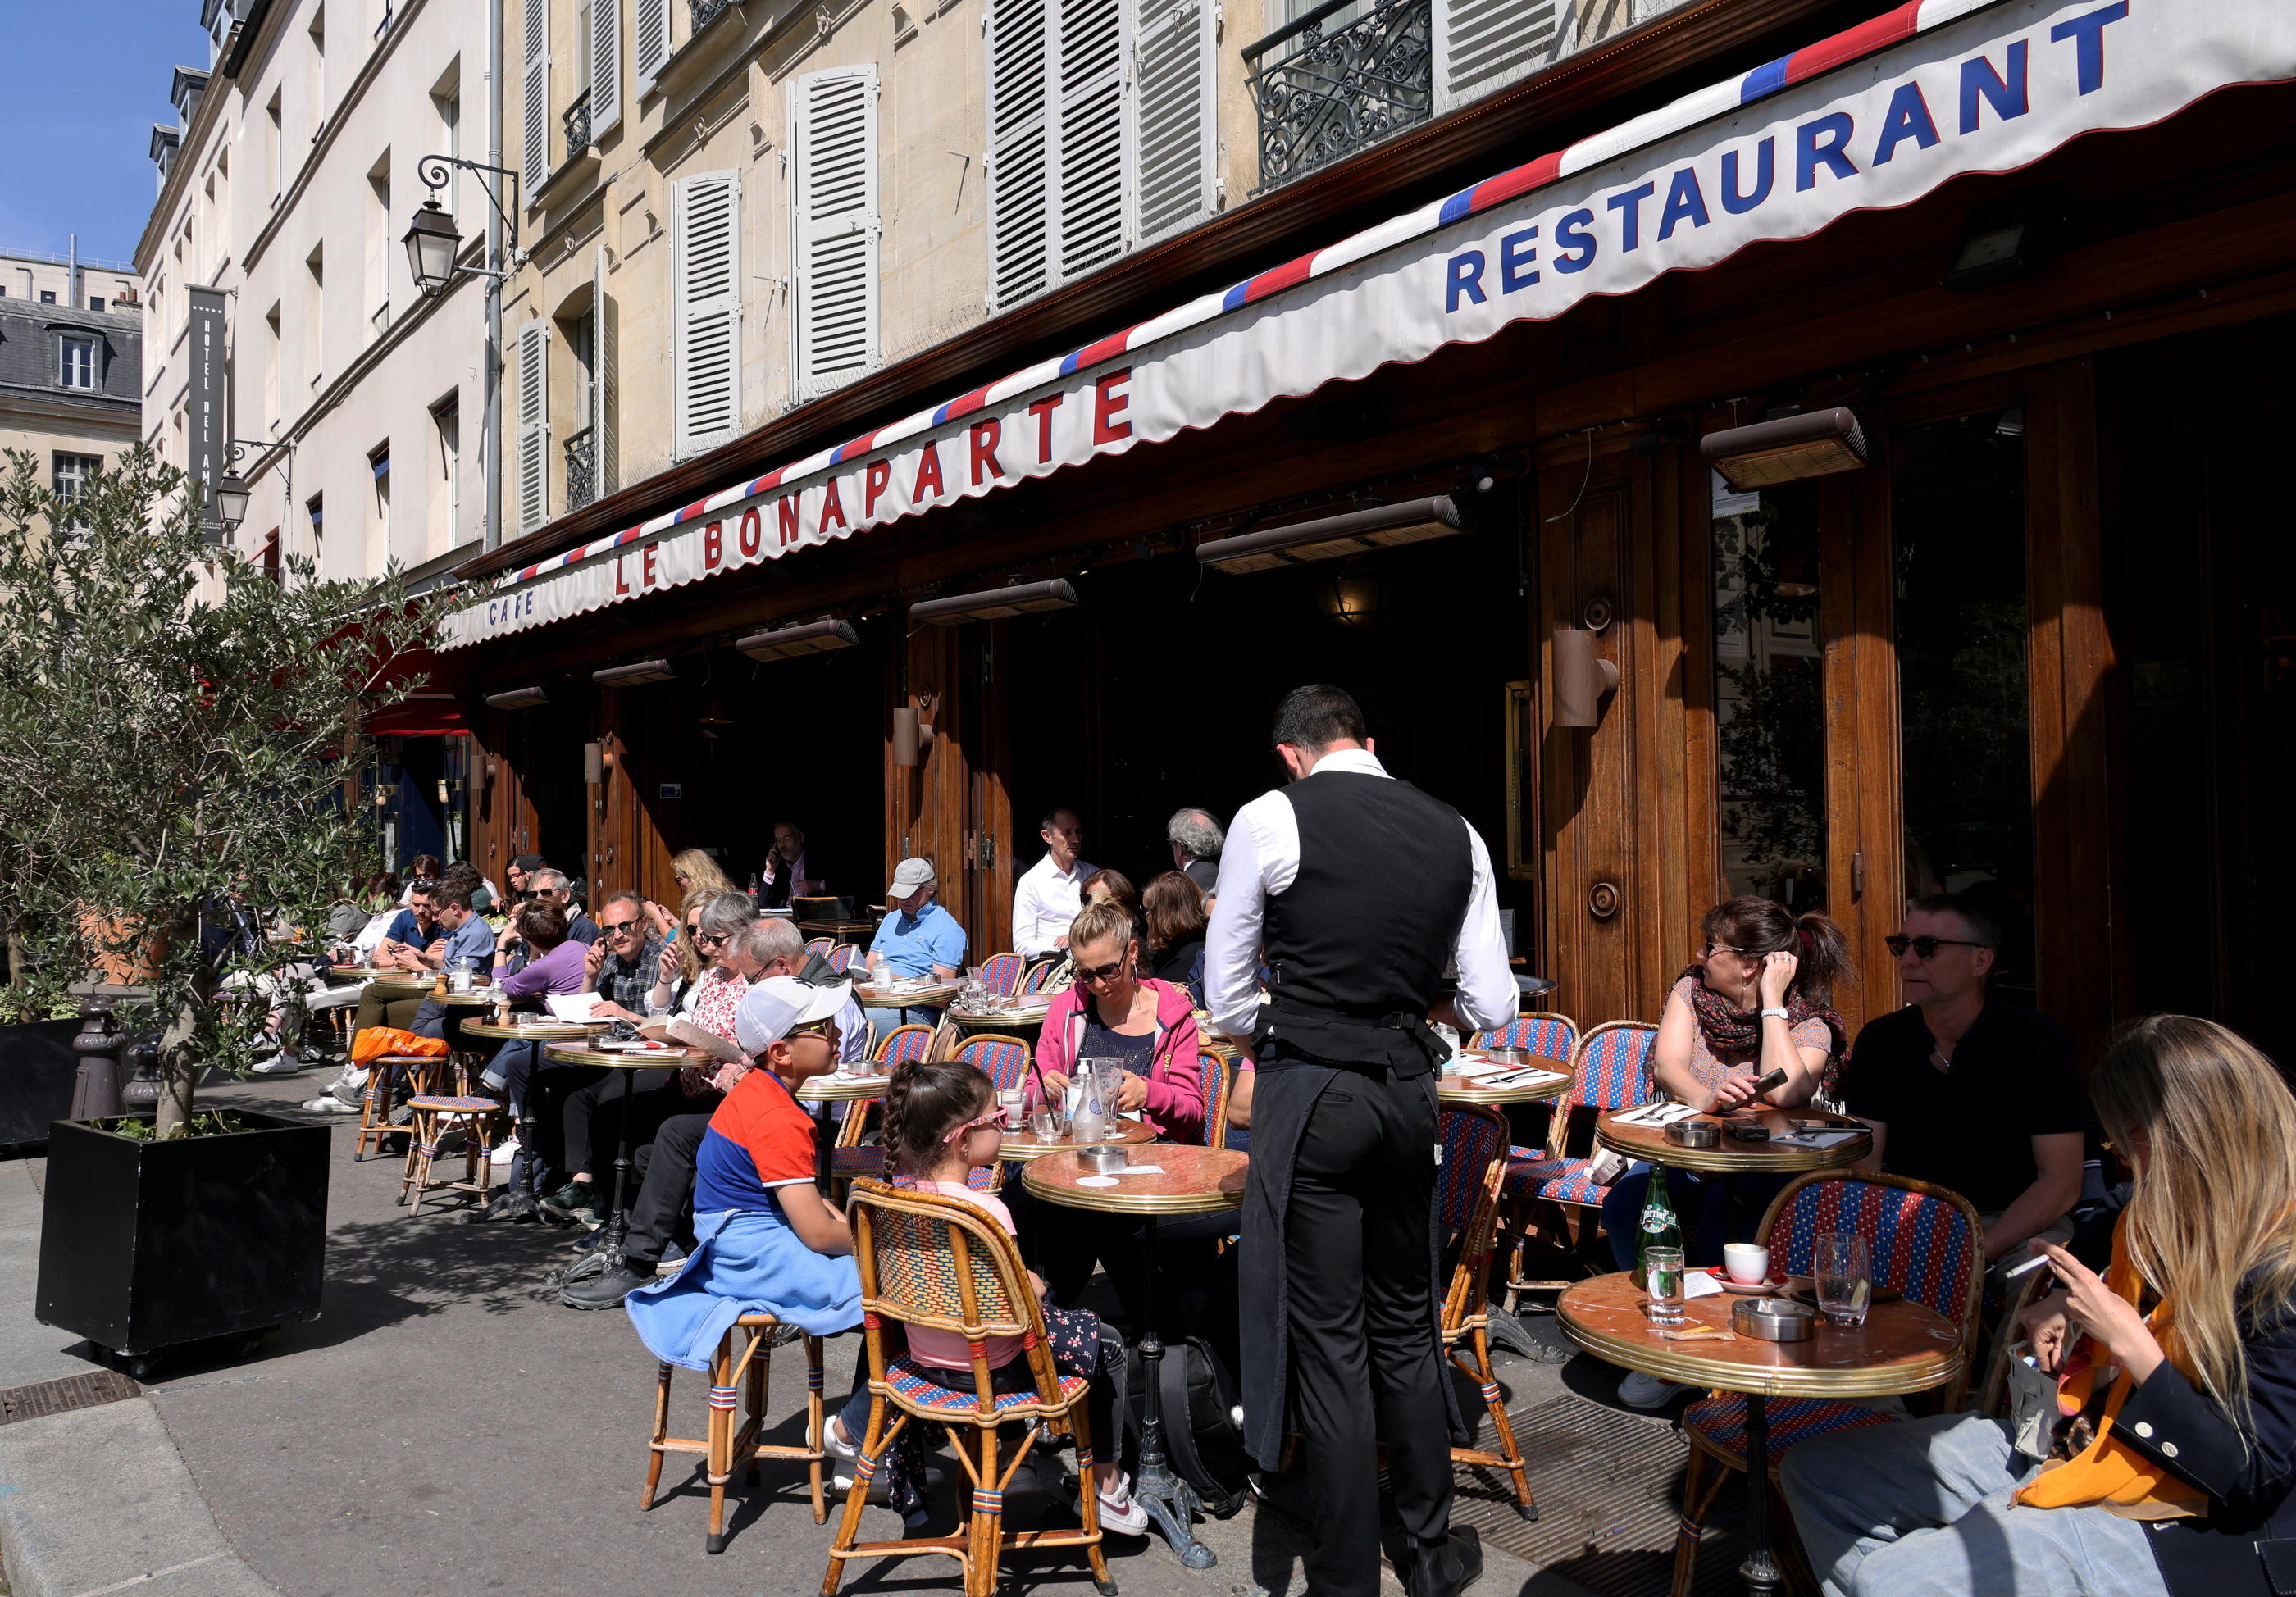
[1875,118]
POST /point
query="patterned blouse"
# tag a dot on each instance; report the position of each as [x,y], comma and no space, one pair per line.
[717,995]
[1712,1069]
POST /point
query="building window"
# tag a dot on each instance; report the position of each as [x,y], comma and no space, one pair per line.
[446,492]
[97,303]
[77,367]
[318,506]
[47,296]
[379,528]
[71,474]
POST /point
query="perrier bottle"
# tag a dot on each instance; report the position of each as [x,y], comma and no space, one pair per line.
[1660,1228]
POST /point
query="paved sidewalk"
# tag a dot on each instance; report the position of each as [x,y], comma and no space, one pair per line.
[448,1424]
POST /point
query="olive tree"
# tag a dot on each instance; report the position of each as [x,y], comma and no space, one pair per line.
[177,729]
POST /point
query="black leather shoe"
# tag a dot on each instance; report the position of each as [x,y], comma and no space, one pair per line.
[608,1290]
[1446,1570]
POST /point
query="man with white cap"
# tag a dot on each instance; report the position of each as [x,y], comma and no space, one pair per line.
[917,938]
[766,1240]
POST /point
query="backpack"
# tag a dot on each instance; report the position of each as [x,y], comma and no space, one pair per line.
[1203,1442]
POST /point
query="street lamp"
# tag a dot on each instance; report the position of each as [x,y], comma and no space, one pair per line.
[433,242]
[230,496]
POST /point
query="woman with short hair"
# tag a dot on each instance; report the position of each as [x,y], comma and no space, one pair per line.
[1174,909]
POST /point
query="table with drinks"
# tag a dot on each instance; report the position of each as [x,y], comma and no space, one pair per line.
[1746,1328]
[1760,1141]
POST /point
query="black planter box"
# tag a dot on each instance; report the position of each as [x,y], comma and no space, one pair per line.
[148,1245]
[36,1067]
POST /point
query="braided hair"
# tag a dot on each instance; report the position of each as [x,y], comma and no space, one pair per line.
[926,1101]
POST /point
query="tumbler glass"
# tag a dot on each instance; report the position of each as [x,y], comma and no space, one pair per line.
[1662,1281]
[1845,1278]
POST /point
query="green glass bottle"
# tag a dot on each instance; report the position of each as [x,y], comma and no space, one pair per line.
[1660,1228]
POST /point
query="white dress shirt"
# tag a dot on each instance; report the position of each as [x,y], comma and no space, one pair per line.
[1262,858]
[1044,900]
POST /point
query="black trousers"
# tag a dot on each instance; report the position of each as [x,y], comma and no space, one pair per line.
[592,1117]
[665,1198]
[1366,1367]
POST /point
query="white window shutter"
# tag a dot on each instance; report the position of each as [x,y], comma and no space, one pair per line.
[533,425]
[707,305]
[534,167]
[605,66]
[651,17]
[1175,133]
[1482,46]
[1021,76]
[1093,154]
[834,213]
[605,362]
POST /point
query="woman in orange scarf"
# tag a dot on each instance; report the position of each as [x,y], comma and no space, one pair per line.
[2170,1473]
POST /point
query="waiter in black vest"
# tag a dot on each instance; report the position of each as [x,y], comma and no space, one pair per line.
[1358,893]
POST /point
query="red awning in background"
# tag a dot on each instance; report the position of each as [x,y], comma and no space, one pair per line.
[419,717]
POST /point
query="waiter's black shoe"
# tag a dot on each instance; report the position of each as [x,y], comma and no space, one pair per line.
[1445,1570]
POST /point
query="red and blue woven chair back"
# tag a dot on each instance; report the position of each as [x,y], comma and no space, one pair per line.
[1003,1061]
[841,957]
[917,1270]
[1923,1244]
[1542,1037]
[1038,975]
[820,945]
[1470,1141]
[1219,1080]
[904,1044]
[1002,974]
[1613,1068]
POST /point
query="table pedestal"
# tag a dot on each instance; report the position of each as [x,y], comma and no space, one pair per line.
[1171,1501]
[1761,1570]
[618,1224]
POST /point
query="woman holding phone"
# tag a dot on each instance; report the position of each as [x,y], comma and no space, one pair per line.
[2175,1475]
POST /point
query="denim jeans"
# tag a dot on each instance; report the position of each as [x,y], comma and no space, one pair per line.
[1921,1509]
[1703,1204]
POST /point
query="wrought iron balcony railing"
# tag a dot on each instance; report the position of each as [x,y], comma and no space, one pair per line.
[577,124]
[581,469]
[1343,77]
[702,13]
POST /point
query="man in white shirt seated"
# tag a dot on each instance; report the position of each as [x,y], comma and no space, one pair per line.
[1047,896]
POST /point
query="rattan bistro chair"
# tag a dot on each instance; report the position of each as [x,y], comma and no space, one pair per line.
[422,1072]
[1924,1242]
[851,1157]
[1002,1059]
[944,1264]
[1219,1083]
[1002,974]
[1609,1071]
[1467,1204]
[740,1370]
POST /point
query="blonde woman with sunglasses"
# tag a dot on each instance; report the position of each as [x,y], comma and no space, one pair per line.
[2178,1361]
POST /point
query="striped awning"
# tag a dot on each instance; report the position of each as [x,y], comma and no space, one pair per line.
[1877,116]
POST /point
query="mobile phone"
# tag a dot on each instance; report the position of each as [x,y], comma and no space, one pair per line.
[1770,1081]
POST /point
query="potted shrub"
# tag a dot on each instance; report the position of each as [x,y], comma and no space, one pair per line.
[176,730]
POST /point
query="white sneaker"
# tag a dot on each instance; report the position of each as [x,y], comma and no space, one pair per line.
[849,1453]
[1643,1392]
[506,1152]
[1118,1512]
[327,1104]
[278,1064]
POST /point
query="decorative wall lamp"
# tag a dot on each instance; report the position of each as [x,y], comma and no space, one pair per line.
[433,241]
[912,734]
[518,699]
[994,604]
[229,495]
[1818,443]
[807,638]
[1333,537]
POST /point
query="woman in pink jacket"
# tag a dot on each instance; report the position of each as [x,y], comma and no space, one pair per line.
[1114,1013]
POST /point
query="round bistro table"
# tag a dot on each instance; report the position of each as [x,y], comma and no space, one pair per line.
[556,1031]
[1650,1144]
[629,1061]
[1465,1090]
[1902,1347]
[1020,1020]
[933,995]
[821,1092]
[1024,1148]
[1195,1181]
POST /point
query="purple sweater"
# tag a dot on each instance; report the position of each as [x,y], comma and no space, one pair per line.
[560,971]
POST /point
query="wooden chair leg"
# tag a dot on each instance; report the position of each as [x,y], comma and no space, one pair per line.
[1089,1500]
[816,1428]
[1507,1451]
[1701,1482]
[419,1151]
[660,1433]
[723,1397]
[761,1364]
[848,1527]
[988,1519]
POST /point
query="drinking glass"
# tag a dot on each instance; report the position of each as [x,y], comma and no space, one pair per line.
[1044,1121]
[1663,1283]
[1845,1278]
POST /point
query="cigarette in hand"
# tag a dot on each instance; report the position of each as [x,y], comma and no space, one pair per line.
[2027,1268]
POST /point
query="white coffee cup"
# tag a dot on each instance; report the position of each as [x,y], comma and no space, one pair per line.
[1748,1263]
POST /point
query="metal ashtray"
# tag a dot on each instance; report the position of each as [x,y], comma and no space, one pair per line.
[1101,1157]
[1774,1318]
[1748,1131]
[1507,1056]
[1694,1133]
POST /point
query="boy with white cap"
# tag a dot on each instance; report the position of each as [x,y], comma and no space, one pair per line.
[916,938]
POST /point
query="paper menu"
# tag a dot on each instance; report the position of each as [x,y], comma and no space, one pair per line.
[570,1006]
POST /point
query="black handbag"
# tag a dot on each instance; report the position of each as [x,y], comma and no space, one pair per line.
[1203,1442]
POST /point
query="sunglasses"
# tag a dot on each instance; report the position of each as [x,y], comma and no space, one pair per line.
[700,937]
[1926,947]
[812,1029]
[1098,973]
[995,1116]
[617,925]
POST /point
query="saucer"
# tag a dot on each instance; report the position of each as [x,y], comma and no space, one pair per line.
[1766,1289]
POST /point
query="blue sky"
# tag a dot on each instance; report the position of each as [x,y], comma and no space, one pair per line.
[87,79]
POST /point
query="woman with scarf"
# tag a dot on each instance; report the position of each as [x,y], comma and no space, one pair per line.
[2176,1368]
[1758,997]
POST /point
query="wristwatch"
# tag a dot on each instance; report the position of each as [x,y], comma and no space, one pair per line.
[1775,1010]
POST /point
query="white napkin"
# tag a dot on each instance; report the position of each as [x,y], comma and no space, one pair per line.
[1655,1114]
[1096,1181]
[1468,1068]
[570,1006]
[1699,1283]
[1141,1170]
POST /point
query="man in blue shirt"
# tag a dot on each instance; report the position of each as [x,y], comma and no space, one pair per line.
[415,927]
[918,938]
[469,946]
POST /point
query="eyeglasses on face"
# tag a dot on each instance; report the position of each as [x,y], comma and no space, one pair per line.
[709,939]
[1100,973]
[1926,947]
[617,926]
[995,1116]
